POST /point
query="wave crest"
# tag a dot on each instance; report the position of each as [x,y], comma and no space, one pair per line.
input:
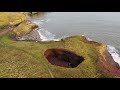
[114,53]
[46,35]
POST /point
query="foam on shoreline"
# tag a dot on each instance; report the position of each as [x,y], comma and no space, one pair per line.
[114,53]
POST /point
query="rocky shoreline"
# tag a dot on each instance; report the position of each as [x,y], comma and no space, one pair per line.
[108,65]
[105,61]
[19,27]
[32,36]
[26,31]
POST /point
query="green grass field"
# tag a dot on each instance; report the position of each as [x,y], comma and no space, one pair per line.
[26,59]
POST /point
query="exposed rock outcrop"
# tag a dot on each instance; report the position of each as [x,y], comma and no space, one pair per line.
[106,63]
[24,31]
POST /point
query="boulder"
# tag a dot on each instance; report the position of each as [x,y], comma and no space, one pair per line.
[23,29]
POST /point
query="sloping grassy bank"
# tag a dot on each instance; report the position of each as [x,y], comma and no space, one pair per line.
[26,59]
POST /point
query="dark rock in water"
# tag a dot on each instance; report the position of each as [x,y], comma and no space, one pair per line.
[63,58]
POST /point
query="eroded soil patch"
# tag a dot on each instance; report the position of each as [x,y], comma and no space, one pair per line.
[63,58]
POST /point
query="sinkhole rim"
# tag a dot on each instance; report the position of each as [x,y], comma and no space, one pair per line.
[63,57]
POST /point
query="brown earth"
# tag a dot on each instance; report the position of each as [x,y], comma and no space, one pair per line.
[108,65]
[63,58]
[6,30]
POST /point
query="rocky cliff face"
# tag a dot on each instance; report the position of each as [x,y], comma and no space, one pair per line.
[21,32]
[106,62]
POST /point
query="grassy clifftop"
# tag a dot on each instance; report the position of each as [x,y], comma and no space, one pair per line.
[11,18]
[26,58]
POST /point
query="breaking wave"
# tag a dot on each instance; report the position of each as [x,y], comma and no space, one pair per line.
[89,39]
[114,53]
[41,22]
[112,50]
[46,35]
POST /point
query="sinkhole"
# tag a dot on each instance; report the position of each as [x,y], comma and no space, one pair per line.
[63,58]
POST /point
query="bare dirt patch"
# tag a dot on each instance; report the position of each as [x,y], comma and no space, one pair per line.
[63,58]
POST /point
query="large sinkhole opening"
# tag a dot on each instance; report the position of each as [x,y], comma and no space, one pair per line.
[63,58]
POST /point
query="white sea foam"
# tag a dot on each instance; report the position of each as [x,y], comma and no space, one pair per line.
[45,20]
[46,35]
[39,23]
[89,39]
[114,53]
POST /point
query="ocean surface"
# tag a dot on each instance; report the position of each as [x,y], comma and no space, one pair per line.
[102,27]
